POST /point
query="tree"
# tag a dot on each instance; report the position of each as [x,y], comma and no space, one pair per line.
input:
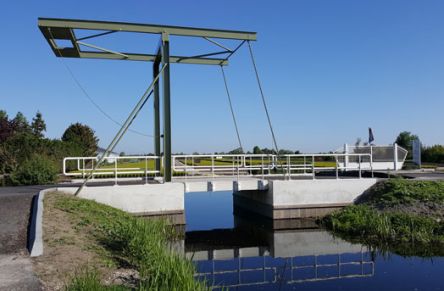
[38,125]
[433,154]
[257,150]
[3,114]
[20,124]
[237,151]
[285,152]
[5,126]
[405,140]
[83,136]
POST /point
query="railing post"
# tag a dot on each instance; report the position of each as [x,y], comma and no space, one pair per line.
[233,165]
[212,165]
[395,156]
[288,168]
[336,166]
[92,167]
[262,166]
[238,168]
[146,168]
[185,169]
[83,168]
[115,171]
[360,173]
[313,167]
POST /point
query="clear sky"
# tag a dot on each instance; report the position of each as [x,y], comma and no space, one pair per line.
[330,69]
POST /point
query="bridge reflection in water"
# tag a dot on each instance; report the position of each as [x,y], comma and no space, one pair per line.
[267,253]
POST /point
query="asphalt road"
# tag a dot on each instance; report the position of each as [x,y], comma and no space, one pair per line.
[15,264]
[15,208]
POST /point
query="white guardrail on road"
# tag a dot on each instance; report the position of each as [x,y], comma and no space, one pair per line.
[258,165]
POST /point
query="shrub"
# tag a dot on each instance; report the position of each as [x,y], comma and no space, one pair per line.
[36,171]
[433,154]
[366,222]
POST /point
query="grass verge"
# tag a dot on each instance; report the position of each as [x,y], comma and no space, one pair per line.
[399,215]
[122,240]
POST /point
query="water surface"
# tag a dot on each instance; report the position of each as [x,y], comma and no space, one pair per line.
[246,252]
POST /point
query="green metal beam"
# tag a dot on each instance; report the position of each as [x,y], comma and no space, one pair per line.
[73,53]
[156,105]
[145,28]
[166,108]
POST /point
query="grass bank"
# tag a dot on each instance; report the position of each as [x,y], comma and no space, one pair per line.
[401,215]
[115,243]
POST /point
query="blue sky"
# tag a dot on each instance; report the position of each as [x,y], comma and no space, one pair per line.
[330,69]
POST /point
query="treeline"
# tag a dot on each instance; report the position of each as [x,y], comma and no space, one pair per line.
[257,150]
[27,157]
[429,154]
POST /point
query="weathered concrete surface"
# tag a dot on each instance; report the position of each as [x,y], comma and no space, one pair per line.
[147,199]
[16,273]
[312,192]
[209,184]
[302,198]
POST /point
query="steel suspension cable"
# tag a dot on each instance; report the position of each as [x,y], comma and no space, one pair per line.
[142,101]
[263,98]
[231,108]
[85,93]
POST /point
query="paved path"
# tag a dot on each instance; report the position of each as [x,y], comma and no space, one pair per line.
[15,264]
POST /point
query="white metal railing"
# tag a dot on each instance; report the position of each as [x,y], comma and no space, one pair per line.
[286,273]
[213,165]
[234,165]
[143,166]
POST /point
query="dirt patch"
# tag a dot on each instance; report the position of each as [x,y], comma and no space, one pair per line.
[426,209]
[70,249]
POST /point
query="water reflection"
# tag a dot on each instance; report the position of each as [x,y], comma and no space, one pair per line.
[243,252]
[253,253]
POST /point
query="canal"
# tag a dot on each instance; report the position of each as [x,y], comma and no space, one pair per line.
[239,251]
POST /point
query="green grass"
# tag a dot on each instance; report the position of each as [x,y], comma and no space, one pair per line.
[89,279]
[384,216]
[141,244]
[395,192]
[366,222]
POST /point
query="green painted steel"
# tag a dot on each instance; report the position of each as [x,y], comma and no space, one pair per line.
[55,29]
[144,28]
[156,115]
[72,53]
[166,109]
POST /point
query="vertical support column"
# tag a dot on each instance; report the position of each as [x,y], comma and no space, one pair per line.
[166,107]
[395,156]
[346,156]
[156,115]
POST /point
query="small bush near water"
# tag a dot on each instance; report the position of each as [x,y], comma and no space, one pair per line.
[394,212]
[141,244]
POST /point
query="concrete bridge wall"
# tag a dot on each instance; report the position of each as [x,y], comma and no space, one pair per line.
[302,198]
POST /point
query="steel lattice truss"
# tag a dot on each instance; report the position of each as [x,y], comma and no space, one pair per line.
[64,29]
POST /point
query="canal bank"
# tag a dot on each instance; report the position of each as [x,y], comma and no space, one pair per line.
[397,214]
